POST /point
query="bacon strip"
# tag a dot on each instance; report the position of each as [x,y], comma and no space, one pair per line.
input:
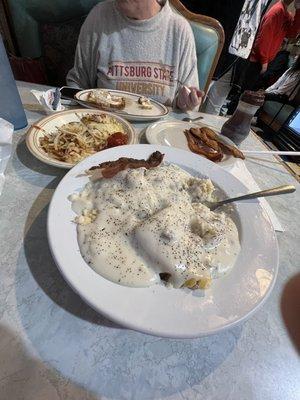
[204,137]
[226,148]
[109,169]
[197,147]
[231,150]
[203,140]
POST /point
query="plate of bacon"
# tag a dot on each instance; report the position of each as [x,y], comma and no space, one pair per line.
[198,138]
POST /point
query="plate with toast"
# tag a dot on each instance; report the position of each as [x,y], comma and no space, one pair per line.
[130,106]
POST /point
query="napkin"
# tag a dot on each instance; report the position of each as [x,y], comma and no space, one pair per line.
[6,132]
[240,171]
[49,100]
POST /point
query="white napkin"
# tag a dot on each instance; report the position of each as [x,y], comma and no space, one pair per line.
[6,132]
[48,99]
[240,171]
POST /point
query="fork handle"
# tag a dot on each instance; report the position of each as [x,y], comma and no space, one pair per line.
[263,193]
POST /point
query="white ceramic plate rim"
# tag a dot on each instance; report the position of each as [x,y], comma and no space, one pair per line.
[33,134]
[129,116]
[94,289]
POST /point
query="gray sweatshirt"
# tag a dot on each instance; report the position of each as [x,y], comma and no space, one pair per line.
[152,57]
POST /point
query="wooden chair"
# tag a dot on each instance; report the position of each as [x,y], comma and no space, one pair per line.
[209,39]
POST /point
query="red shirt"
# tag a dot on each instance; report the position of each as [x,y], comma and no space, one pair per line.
[276,25]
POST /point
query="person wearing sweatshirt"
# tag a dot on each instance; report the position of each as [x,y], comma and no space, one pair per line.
[140,46]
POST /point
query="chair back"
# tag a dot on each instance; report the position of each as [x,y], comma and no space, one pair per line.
[27,16]
[209,39]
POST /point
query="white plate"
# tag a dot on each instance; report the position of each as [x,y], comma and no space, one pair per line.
[171,133]
[177,313]
[49,124]
[132,110]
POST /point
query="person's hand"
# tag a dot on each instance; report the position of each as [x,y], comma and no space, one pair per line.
[264,68]
[297,4]
[189,98]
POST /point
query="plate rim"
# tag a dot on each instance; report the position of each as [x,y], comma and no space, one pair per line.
[133,326]
[32,131]
[124,114]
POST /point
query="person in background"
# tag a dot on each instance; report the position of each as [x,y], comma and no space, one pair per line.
[277,67]
[139,46]
[285,89]
[277,24]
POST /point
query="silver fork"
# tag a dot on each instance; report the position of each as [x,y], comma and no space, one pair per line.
[263,193]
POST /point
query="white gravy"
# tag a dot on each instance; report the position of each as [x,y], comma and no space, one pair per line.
[147,222]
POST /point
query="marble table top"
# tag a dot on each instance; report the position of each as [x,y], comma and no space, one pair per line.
[55,347]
